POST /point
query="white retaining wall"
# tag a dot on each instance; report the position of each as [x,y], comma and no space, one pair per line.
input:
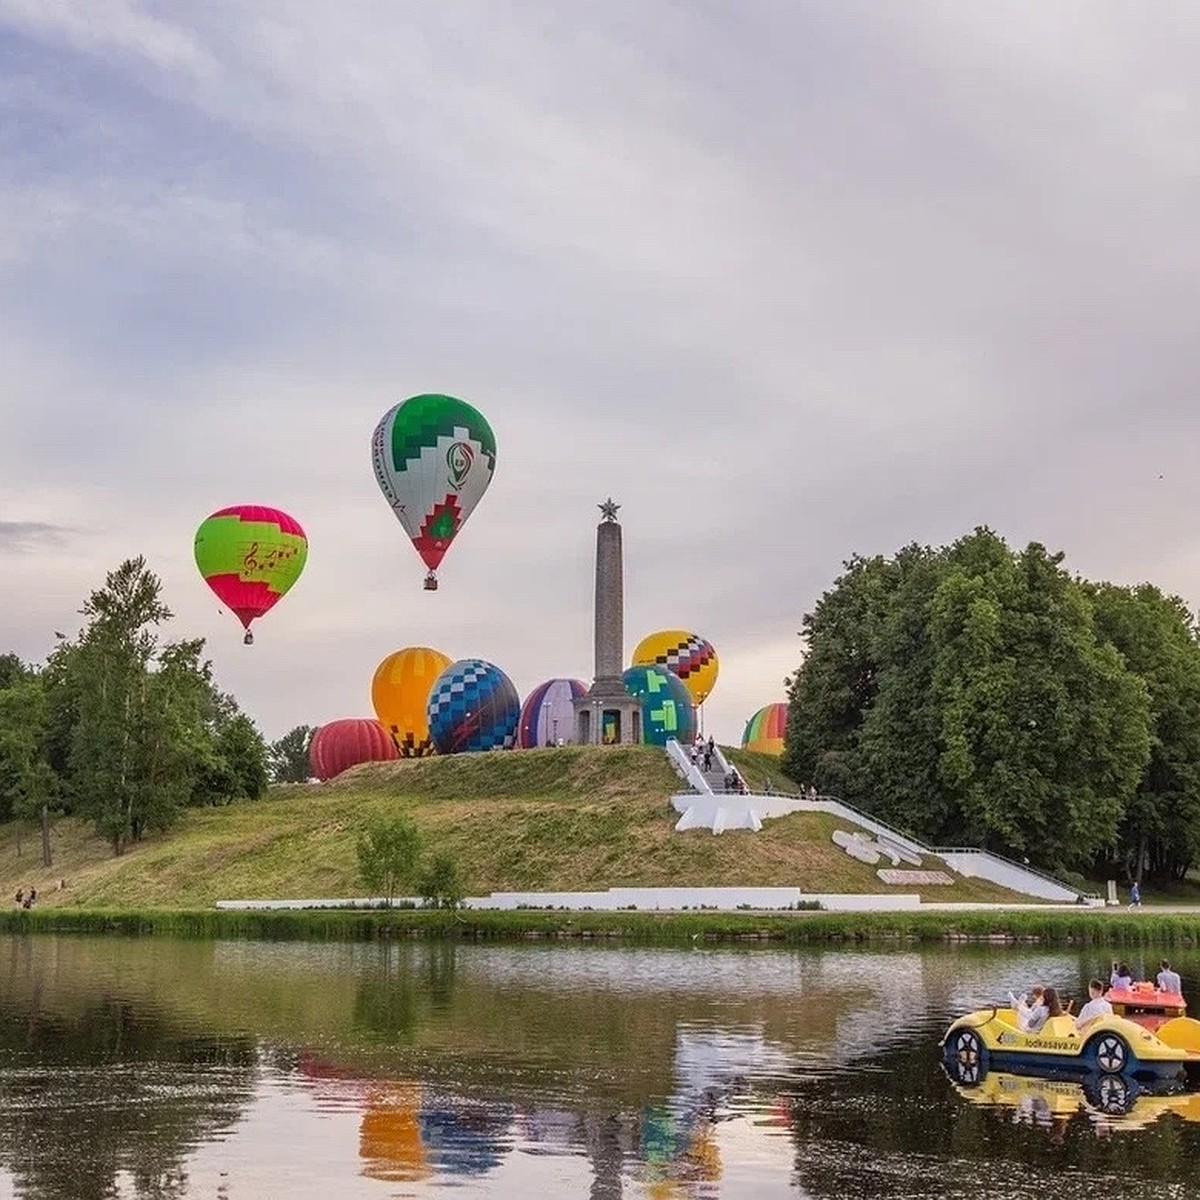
[979,864]
[721,899]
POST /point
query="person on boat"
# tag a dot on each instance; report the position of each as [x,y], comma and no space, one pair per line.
[1030,1010]
[1095,1008]
[1052,1007]
[1168,980]
[1121,978]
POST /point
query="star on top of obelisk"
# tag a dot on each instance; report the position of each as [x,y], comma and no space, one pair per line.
[609,509]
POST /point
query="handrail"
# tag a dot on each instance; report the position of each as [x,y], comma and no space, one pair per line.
[940,851]
[937,851]
[686,768]
[858,812]
[1031,870]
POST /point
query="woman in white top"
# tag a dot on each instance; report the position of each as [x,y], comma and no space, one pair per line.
[1031,1012]
[1121,979]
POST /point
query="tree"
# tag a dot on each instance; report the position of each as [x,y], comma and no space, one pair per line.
[243,749]
[144,719]
[967,694]
[110,666]
[12,671]
[388,853]
[29,787]
[440,884]
[289,756]
[1044,732]
[1158,640]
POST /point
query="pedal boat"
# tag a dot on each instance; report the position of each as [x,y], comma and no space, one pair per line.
[1146,1005]
[1112,1045]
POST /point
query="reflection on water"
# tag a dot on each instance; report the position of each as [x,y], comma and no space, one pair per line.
[165,1069]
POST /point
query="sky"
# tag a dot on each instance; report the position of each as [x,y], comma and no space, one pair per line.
[789,281]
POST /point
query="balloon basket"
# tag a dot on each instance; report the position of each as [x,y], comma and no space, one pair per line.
[248,640]
[431,582]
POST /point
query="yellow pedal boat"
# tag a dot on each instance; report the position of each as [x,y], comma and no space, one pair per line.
[1111,1045]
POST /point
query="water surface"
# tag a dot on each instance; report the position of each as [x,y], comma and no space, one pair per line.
[171,1069]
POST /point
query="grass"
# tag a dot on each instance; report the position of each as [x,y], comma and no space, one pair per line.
[1026,927]
[570,819]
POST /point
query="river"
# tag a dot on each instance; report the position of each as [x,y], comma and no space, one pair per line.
[167,1069]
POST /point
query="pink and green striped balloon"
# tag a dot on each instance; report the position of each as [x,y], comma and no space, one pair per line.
[250,556]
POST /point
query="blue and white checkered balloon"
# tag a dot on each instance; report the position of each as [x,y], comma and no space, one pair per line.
[473,706]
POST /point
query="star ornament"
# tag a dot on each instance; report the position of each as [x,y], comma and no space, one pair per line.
[609,509]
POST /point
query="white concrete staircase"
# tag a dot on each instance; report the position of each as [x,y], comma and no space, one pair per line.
[708,806]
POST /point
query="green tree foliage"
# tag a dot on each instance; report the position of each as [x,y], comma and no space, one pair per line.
[12,671]
[29,787]
[1158,638]
[242,746]
[440,885]
[972,694]
[289,756]
[120,728]
[389,851]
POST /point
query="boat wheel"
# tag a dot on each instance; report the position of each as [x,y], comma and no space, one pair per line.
[1113,1096]
[968,1056]
[1112,1054]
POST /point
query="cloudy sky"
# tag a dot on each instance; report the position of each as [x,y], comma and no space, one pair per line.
[787,279]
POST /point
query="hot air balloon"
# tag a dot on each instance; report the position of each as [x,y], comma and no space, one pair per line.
[667,709]
[434,457]
[250,556]
[685,654]
[549,712]
[400,695]
[340,745]
[473,706]
[764,730]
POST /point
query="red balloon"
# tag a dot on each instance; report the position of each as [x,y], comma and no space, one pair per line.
[340,745]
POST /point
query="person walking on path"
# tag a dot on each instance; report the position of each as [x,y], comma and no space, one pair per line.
[1135,896]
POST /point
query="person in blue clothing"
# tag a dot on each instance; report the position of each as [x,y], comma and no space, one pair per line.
[1135,895]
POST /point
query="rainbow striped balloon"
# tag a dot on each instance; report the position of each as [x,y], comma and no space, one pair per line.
[250,556]
[764,731]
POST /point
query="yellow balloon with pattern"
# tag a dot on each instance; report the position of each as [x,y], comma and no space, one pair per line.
[684,654]
[400,693]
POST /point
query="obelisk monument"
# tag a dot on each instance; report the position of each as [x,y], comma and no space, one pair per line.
[608,714]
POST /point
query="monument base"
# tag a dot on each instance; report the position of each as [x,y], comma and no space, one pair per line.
[608,716]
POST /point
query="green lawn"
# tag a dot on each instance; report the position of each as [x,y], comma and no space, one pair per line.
[571,819]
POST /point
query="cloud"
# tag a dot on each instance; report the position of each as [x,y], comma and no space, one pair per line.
[788,282]
[29,535]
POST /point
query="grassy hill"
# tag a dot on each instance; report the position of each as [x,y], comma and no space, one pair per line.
[575,818]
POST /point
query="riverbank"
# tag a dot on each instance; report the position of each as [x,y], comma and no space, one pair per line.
[1082,927]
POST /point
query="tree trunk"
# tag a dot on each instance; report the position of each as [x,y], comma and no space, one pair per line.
[17,827]
[47,858]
